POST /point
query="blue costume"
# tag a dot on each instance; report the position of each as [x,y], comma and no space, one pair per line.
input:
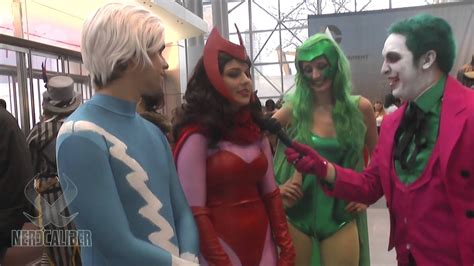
[129,195]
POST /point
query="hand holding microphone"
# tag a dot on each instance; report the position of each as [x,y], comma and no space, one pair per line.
[306,160]
[303,157]
[273,126]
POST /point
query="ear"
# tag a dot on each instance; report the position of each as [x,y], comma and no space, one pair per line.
[428,59]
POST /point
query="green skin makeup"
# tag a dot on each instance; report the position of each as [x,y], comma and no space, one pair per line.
[311,51]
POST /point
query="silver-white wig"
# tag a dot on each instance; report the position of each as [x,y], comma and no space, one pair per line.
[116,35]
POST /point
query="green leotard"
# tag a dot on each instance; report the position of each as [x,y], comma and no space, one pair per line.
[316,214]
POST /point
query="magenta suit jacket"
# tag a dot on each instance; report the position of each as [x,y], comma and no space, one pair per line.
[456,137]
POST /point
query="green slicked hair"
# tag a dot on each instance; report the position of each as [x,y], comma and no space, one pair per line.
[348,120]
[426,32]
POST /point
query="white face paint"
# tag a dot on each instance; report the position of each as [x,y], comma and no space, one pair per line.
[405,77]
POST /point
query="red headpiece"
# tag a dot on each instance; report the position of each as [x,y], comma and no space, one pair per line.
[216,44]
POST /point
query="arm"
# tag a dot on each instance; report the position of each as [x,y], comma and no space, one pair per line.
[371,137]
[268,183]
[186,230]
[84,158]
[290,190]
[369,119]
[33,147]
[23,255]
[15,172]
[276,213]
[191,163]
[364,187]
[284,115]
[349,185]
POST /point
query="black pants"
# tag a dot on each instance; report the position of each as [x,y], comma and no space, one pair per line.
[3,250]
[411,260]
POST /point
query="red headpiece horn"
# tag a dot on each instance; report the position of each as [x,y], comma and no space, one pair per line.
[216,44]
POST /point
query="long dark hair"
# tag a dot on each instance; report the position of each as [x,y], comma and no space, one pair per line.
[207,108]
[149,105]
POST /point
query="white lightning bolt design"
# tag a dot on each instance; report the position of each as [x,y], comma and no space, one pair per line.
[136,178]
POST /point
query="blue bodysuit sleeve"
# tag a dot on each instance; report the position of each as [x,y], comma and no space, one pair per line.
[85,161]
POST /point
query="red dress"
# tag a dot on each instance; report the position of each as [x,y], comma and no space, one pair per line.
[234,200]
[232,191]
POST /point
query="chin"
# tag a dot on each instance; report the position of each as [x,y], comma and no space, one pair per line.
[242,103]
[396,93]
[152,92]
[405,95]
[321,88]
[399,92]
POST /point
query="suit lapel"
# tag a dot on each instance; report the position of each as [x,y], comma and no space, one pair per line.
[391,128]
[387,142]
[453,118]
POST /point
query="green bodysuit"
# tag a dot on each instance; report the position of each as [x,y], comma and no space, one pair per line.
[316,214]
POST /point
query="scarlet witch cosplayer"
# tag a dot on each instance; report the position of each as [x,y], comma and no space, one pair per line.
[225,163]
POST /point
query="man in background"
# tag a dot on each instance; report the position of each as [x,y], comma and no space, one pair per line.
[15,173]
[3,104]
[59,101]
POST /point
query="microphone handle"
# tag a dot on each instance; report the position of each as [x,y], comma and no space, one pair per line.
[284,138]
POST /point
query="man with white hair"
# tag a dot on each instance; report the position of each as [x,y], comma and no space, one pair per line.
[128,193]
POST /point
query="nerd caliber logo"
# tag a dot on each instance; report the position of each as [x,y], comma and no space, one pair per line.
[53,231]
[51,213]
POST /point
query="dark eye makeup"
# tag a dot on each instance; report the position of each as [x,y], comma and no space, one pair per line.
[393,57]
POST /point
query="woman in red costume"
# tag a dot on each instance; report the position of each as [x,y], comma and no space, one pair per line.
[225,163]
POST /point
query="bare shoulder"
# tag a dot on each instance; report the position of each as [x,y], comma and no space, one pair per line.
[197,137]
[284,115]
[367,110]
[365,106]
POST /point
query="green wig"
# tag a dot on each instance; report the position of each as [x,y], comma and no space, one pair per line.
[425,32]
[348,120]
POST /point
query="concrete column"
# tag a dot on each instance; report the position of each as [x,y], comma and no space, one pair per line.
[17,19]
[194,46]
[220,17]
[173,87]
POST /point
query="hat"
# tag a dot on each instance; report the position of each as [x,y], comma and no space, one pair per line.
[215,44]
[469,74]
[60,97]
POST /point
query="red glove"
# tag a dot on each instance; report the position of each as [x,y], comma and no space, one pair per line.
[306,160]
[211,249]
[279,227]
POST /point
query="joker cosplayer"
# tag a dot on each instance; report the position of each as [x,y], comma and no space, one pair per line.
[128,192]
[423,162]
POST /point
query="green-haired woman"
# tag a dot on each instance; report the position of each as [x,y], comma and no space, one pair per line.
[322,113]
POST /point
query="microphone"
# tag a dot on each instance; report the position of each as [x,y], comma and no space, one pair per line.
[273,126]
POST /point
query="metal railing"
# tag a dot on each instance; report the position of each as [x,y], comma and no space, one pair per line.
[21,83]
